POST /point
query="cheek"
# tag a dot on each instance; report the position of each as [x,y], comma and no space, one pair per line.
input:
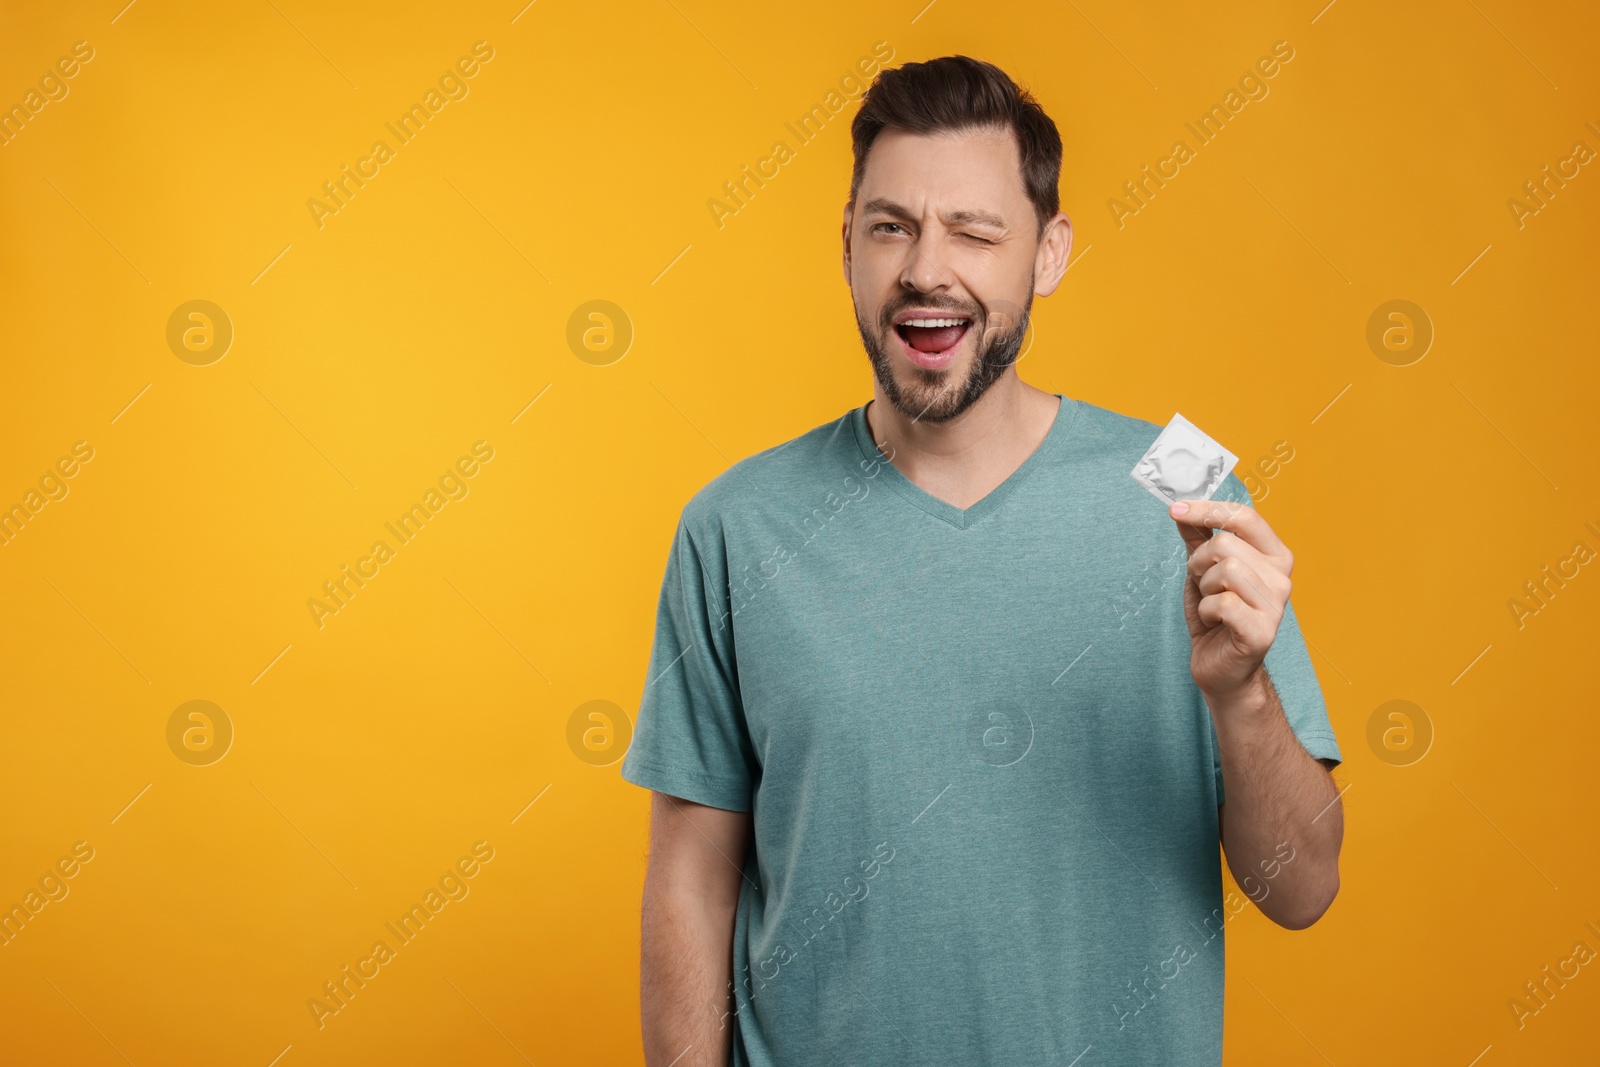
[871,309]
[875,299]
[868,317]
[1001,314]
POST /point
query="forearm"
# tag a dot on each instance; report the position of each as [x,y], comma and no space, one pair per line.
[685,969]
[1282,825]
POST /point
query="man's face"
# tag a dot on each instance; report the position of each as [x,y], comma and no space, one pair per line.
[942,254]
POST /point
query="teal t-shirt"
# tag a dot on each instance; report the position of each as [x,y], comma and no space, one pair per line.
[983,783]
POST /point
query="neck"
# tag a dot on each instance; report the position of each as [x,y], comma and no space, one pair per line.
[961,459]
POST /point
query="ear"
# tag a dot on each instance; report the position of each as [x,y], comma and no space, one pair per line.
[1055,246]
[849,210]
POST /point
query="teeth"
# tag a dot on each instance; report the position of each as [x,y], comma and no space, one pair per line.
[933,322]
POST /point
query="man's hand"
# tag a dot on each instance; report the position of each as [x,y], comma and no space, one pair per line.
[1234,595]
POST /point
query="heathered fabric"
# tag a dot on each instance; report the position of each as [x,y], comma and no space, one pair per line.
[983,783]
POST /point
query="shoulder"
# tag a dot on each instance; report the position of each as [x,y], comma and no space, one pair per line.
[1125,438]
[1124,434]
[758,483]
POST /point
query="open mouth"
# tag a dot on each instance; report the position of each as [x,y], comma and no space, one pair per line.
[932,342]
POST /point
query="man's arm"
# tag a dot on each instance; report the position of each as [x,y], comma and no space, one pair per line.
[1283,824]
[691,889]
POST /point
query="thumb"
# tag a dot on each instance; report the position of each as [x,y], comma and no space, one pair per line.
[1193,536]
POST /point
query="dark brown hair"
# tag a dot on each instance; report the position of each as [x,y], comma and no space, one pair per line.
[960,93]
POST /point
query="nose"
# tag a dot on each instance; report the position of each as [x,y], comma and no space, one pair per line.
[919,271]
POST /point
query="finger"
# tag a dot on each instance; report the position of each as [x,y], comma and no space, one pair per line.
[1271,575]
[1235,575]
[1214,550]
[1214,610]
[1241,520]
[1228,609]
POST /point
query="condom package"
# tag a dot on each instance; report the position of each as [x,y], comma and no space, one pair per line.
[1183,464]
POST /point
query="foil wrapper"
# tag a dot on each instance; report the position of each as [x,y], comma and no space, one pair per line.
[1183,463]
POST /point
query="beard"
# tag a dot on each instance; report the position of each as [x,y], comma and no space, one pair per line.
[941,395]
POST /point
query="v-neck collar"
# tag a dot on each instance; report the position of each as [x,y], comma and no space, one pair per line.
[960,518]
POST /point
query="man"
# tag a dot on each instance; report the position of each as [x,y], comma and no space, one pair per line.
[942,708]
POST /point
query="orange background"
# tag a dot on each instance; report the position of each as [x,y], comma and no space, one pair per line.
[371,352]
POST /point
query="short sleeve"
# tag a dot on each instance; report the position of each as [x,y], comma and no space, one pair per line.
[691,740]
[1288,664]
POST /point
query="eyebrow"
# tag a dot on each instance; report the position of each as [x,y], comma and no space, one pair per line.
[881,206]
